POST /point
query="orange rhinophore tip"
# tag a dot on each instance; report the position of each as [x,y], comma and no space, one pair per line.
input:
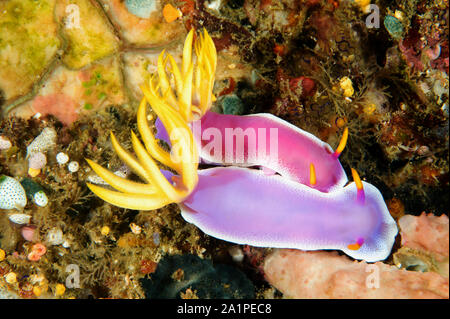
[312,175]
[359,185]
[356,245]
[342,144]
[357,180]
[171,13]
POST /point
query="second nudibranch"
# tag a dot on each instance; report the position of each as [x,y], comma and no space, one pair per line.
[270,142]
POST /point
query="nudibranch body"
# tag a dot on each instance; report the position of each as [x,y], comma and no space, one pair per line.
[245,206]
[268,141]
[238,204]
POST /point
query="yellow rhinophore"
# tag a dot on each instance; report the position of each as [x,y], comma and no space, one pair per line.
[342,144]
[312,175]
[157,191]
[190,94]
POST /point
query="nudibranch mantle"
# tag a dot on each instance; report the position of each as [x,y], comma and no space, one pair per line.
[295,148]
[286,149]
[245,206]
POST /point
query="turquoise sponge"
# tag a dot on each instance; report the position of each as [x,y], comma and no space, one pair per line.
[393,26]
[232,104]
[141,8]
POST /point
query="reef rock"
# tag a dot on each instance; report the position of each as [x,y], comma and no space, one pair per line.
[189,276]
[426,232]
[424,243]
[321,274]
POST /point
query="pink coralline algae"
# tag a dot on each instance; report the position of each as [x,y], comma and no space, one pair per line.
[300,274]
[60,105]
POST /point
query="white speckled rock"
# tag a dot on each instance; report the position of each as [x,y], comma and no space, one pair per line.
[12,194]
[55,236]
[43,142]
[62,158]
[40,199]
[20,219]
[73,167]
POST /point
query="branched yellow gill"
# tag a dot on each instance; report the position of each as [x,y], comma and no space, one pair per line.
[189,90]
[176,103]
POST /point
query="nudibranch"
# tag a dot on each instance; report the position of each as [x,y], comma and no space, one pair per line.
[252,140]
[245,206]
[239,204]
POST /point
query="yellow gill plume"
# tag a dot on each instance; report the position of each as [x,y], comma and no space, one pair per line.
[191,92]
[158,191]
[178,96]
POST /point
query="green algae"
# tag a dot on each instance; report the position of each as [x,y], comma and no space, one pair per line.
[31,187]
[89,40]
[28,44]
[104,84]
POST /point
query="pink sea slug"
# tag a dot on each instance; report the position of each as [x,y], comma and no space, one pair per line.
[268,141]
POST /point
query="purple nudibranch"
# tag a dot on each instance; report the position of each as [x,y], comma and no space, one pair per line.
[245,206]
